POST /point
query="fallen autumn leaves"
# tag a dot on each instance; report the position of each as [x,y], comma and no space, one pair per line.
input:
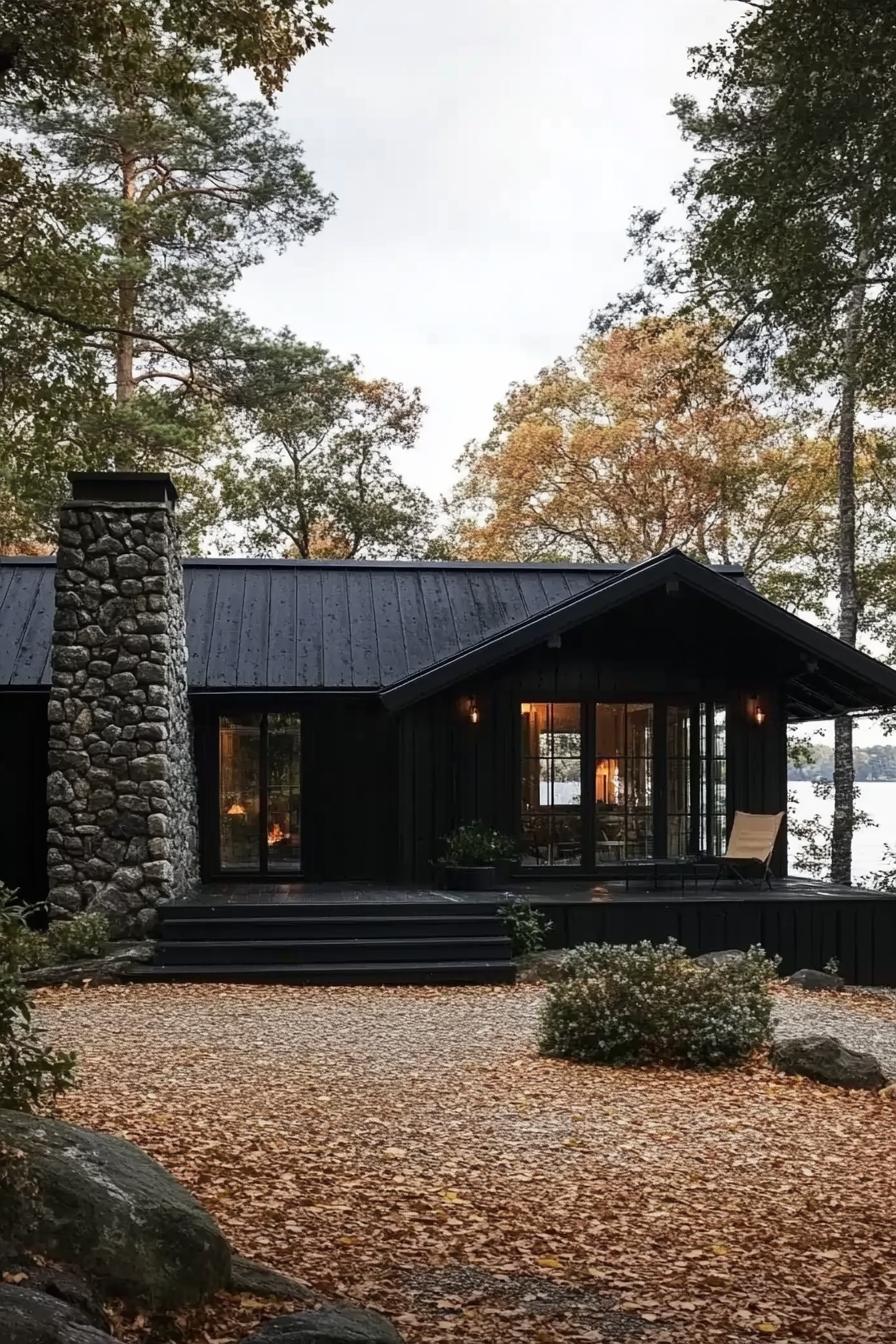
[408,1148]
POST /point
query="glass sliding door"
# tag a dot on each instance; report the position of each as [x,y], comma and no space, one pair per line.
[623,782]
[259,793]
[696,798]
[239,776]
[551,794]
[284,792]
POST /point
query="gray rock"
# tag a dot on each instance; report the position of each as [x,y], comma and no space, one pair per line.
[541,967]
[60,1284]
[809,979]
[131,566]
[31,1317]
[329,1325]
[729,957]
[111,969]
[100,1203]
[248,1276]
[827,1060]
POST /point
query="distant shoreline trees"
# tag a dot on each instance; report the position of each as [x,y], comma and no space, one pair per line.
[873,765]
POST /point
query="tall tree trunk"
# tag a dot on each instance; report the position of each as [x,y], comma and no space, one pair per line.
[844,766]
[127,284]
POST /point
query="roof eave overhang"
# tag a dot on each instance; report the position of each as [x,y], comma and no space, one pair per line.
[879,679]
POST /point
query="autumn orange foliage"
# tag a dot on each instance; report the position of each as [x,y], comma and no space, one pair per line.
[644,441]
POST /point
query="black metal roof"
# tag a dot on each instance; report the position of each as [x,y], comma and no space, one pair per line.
[405,629]
[309,625]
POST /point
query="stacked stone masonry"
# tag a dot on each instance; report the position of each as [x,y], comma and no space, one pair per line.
[121,786]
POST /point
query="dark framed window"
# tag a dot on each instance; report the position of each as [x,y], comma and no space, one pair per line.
[613,781]
[551,822]
[696,785]
[259,793]
[623,781]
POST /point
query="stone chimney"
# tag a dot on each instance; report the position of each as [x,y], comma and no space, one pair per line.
[121,789]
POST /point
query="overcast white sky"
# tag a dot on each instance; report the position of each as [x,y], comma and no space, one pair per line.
[486,155]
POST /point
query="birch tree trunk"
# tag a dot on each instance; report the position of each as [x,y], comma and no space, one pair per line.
[844,766]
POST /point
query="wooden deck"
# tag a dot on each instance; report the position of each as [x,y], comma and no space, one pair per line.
[803,922]
[551,891]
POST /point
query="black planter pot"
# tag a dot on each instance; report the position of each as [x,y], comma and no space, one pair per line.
[470,879]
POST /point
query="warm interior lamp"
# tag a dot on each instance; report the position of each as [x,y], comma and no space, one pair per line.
[759,715]
[474,711]
[236,810]
[525,708]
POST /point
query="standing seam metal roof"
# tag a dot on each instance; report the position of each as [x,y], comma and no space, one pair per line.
[310,625]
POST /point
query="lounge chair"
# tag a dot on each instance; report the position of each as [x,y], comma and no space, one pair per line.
[752,840]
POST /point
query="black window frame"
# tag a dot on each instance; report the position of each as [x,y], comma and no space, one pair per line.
[212,866]
[698,763]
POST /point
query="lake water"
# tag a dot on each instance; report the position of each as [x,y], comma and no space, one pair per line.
[878,800]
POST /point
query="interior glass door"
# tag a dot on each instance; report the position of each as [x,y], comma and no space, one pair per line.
[259,793]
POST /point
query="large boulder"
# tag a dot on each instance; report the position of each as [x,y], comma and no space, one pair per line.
[809,979]
[100,1203]
[828,1060]
[61,1284]
[329,1325]
[31,1317]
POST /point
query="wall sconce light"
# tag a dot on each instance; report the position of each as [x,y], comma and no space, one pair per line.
[525,708]
[474,710]
[757,713]
[236,810]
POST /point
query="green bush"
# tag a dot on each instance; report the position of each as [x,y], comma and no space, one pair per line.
[476,846]
[649,1004]
[30,1072]
[526,927]
[76,939]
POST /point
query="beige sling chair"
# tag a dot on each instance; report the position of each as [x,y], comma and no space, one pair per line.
[752,840]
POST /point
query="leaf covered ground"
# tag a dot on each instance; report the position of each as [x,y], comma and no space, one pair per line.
[409,1149]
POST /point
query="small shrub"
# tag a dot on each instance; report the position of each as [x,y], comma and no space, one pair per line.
[526,927]
[76,939]
[30,1072]
[649,1004]
[20,946]
[476,846]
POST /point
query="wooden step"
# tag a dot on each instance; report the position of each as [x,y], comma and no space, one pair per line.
[341,973]
[280,951]
[241,928]
[329,909]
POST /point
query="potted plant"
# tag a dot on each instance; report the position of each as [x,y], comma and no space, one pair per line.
[473,856]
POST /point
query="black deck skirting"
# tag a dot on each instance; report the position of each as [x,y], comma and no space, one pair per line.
[859,931]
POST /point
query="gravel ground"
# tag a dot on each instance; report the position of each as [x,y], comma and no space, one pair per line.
[861,1021]
[409,1149]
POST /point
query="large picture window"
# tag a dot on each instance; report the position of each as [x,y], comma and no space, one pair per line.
[597,789]
[259,793]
